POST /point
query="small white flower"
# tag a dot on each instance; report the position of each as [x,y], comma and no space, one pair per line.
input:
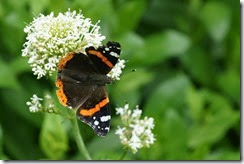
[149,122]
[136,113]
[120,131]
[136,133]
[51,37]
[117,70]
[138,127]
[34,104]
[47,96]
[122,111]
[135,142]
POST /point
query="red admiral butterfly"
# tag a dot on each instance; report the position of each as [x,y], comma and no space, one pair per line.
[81,84]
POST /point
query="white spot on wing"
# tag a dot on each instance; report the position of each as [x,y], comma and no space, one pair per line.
[96,122]
[105,118]
[107,128]
[114,54]
[94,118]
[107,49]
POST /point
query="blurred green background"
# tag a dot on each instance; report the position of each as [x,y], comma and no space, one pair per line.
[187,57]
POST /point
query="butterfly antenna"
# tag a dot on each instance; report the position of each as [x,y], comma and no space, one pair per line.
[130,71]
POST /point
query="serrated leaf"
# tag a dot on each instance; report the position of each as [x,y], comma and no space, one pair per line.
[53,137]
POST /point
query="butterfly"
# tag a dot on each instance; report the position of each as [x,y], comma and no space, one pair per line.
[81,81]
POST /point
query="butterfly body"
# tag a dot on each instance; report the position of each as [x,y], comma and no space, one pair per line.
[81,84]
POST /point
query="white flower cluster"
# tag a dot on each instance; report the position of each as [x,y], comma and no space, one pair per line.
[49,38]
[136,133]
[49,105]
[117,70]
[34,104]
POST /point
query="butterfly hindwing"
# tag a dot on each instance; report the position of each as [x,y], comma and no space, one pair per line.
[96,112]
[104,57]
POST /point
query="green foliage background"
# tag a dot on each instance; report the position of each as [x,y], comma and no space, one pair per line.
[187,57]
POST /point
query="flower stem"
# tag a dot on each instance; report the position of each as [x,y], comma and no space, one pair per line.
[124,154]
[79,140]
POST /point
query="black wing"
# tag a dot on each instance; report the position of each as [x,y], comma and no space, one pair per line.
[90,99]
[104,57]
[96,112]
[72,69]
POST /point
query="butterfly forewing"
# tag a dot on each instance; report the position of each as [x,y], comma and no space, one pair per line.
[105,57]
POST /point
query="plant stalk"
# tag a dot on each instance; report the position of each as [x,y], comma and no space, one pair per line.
[79,140]
[124,154]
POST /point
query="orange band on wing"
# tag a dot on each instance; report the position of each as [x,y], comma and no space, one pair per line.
[60,93]
[64,60]
[90,112]
[104,59]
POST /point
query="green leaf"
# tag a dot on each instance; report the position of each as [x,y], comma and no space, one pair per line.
[109,145]
[130,44]
[12,30]
[7,76]
[172,128]
[53,137]
[216,16]
[20,65]
[200,65]
[161,46]
[131,10]
[127,89]
[2,155]
[92,9]
[168,95]
[165,105]
[1,140]
[20,135]
[37,8]
[224,154]
[171,137]
[1,10]
[229,83]
[19,106]
[217,119]
[195,102]
[234,56]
